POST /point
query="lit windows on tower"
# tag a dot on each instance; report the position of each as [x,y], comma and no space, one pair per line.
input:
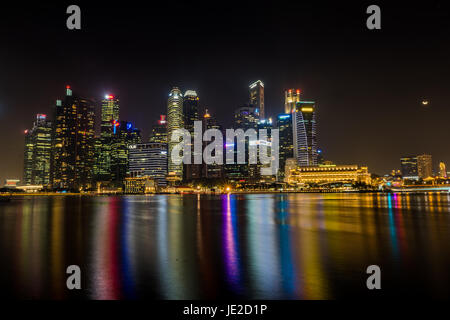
[174,122]
[291,97]
[159,131]
[286,144]
[304,133]
[257,97]
[409,168]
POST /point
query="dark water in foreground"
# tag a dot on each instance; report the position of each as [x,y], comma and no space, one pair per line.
[291,246]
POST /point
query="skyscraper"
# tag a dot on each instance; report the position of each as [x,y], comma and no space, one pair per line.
[257,97]
[255,170]
[190,115]
[109,123]
[159,131]
[291,97]
[286,144]
[174,122]
[442,170]
[211,171]
[409,167]
[37,156]
[149,159]
[190,110]
[73,143]
[110,113]
[425,166]
[28,158]
[124,136]
[246,117]
[304,133]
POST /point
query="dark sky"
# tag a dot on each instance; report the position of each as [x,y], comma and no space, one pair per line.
[368,84]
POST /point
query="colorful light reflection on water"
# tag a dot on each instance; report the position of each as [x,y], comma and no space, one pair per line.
[257,246]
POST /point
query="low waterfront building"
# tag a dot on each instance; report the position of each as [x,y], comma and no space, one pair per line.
[31,188]
[329,173]
[11,183]
[290,166]
[140,185]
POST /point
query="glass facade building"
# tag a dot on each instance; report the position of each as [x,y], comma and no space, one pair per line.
[159,131]
[257,96]
[409,167]
[174,122]
[73,143]
[286,143]
[37,154]
[304,133]
[291,97]
[190,115]
[425,166]
[149,159]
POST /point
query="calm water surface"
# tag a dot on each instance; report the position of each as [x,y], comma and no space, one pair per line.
[256,246]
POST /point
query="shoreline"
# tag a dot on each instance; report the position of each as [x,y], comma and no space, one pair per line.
[51,194]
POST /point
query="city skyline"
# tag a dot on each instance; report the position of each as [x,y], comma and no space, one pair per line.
[110,100]
[200,156]
[368,94]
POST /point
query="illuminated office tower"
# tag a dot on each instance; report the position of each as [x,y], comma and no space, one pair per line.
[211,171]
[109,121]
[255,170]
[190,110]
[291,97]
[159,131]
[97,156]
[124,136]
[149,159]
[286,142]
[73,143]
[174,122]
[257,96]
[304,133]
[190,115]
[424,166]
[246,117]
[37,155]
[110,113]
[28,158]
[409,167]
[442,170]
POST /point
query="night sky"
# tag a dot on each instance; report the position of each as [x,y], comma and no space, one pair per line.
[368,85]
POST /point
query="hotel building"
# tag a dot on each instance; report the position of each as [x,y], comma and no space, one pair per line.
[328,173]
